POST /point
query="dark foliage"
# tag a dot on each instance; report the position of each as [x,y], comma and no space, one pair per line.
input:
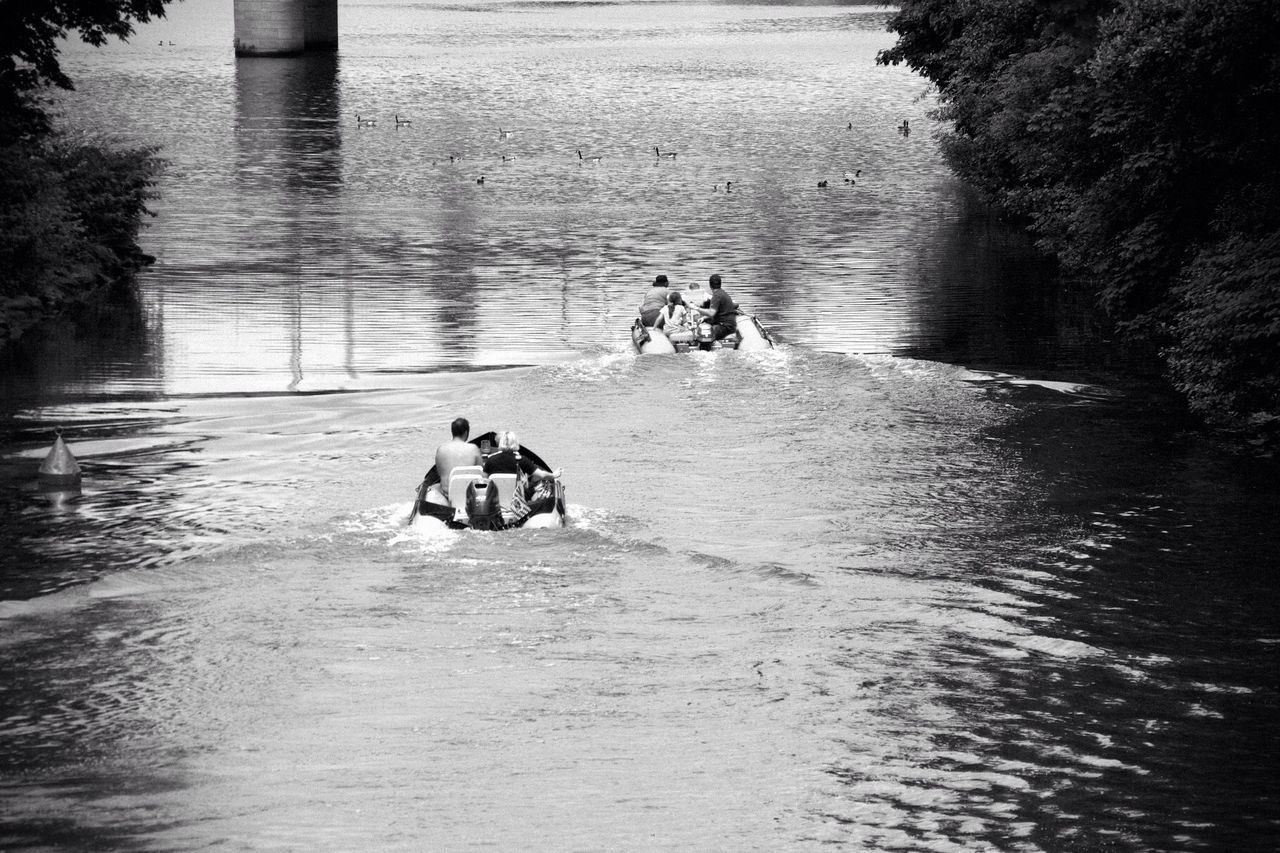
[69,213]
[69,218]
[1138,139]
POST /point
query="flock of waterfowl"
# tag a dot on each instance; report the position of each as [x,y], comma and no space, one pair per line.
[850,178]
[364,121]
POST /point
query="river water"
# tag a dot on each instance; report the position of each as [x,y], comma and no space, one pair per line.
[923,577]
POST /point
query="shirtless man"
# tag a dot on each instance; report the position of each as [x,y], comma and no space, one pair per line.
[456,452]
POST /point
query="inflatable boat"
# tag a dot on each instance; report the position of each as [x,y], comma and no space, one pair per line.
[750,336]
[473,500]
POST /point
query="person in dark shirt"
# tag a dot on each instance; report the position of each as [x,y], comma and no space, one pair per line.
[721,311]
[507,460]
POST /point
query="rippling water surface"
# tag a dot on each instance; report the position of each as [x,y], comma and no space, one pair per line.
[823,596]
[299,250]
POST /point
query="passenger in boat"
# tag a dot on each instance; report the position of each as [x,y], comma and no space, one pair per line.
[695,297]
[454,453]
[539,488]
[674,320]
[654,301]
[507,460]
[721,311]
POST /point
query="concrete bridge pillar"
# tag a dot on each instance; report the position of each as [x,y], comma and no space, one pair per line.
[322,24]
[285,27]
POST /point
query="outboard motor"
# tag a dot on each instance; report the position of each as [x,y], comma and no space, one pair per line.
[705,336]
[484,506]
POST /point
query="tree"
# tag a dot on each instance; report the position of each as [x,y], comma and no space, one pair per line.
[1137,138]
[69,213]
[29,34]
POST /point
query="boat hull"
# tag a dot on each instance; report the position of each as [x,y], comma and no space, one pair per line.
[433,515]
[650,341]
[751,336]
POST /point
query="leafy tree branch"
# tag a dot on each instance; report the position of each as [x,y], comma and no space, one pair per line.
[1137,139]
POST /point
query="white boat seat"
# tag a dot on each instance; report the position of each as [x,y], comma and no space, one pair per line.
[459,479]
[506,484]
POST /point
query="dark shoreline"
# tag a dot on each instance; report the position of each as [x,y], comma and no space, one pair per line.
[72,214]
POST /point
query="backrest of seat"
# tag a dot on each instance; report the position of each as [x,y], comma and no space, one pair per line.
[463,476]
[506,484]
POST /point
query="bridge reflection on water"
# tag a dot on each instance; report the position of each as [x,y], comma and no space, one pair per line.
[299,250]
